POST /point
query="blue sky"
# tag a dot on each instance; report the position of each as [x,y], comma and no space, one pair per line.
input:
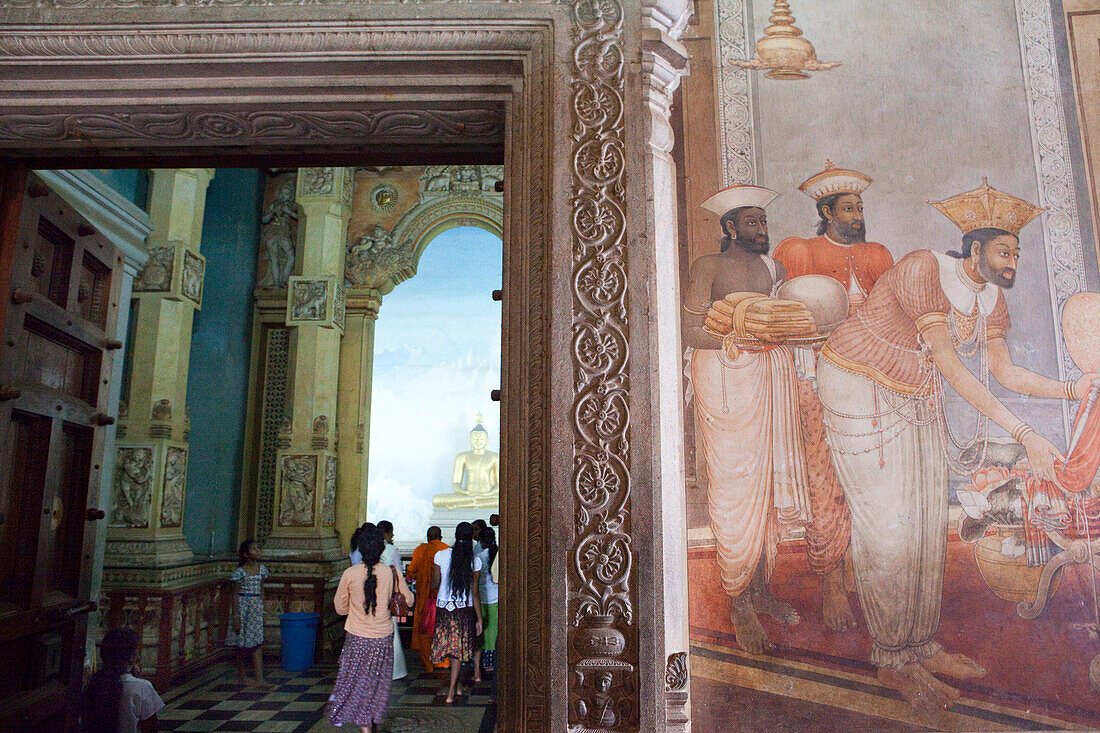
[437,352]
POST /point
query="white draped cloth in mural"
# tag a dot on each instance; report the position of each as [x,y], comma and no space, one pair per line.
[894,474]
[749,432]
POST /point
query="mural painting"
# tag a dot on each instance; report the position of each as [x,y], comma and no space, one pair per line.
[892,412]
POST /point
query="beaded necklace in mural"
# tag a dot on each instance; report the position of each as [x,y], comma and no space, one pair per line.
[930,390]
[975,344]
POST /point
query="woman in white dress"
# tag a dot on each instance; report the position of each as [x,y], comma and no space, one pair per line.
[391,556]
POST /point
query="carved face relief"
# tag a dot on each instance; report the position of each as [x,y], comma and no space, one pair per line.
[156,276]
[133,486]
[299,482]
[383,198]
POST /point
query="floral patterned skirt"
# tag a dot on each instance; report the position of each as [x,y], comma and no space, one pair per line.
[363,683]
[454,634]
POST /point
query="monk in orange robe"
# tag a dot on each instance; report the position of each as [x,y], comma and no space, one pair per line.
[841,251]
[420,571]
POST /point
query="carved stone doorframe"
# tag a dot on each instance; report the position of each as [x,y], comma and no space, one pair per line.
[576,97]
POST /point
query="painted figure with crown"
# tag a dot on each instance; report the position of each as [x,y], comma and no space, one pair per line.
[881,380]
[839,251]
[746,414]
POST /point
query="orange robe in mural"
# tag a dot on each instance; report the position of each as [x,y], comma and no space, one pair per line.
[856,267]
[420,570]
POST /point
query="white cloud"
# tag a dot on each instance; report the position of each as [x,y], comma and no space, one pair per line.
[393,500]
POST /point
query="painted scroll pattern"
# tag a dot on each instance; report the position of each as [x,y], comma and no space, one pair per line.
[1053,170]
[734,94]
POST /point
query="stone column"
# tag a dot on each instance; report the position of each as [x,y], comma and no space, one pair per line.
[664,63]
[306,462]
[146,520]
[353,420]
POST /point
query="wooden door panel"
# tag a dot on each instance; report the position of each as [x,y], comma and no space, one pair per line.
[22,508]
[60,316]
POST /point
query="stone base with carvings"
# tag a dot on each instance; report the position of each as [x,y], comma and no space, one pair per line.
[159,553]
[448,519]
[311,549]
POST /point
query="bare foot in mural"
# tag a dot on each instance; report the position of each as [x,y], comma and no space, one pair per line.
[917,685]
[764,602]
[834,601]
[959,666]
[746,626]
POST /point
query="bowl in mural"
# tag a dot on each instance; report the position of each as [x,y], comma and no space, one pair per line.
[824,296]
[1081,328]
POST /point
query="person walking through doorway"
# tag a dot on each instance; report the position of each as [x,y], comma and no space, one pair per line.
[366,662]
[455,580]
[420,572]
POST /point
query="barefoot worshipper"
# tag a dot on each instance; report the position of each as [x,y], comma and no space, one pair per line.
[840,251]
[880,379]
[746,415]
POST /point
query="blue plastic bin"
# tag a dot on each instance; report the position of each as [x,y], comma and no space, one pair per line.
[299,632]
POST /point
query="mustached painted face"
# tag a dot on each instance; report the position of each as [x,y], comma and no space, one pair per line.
[751,231]
[999,259]
[847,219]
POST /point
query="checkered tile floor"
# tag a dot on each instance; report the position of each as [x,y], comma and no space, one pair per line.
[214,702]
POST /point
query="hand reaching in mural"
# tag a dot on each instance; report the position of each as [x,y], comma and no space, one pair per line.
[1041,455]
[1081,386]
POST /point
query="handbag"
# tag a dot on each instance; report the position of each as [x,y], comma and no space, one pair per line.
[398,606]
[427,617]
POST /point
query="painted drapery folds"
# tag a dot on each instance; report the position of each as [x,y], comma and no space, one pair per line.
[603,649]
[930,512]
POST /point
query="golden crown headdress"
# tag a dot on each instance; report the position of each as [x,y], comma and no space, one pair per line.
[834,180]
[985,207]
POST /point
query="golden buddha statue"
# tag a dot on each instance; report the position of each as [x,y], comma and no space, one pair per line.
[480,468]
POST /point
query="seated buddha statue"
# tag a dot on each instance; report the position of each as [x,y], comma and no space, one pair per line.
[476,480]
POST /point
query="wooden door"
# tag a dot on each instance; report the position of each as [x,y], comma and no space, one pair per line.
[55,367]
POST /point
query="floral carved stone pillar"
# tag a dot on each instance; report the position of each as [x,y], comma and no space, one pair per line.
[306,461]
[150,480]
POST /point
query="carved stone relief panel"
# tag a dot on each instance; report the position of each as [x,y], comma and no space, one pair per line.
[175,485]
[328,500]
[308,301]
[320,432]
[440,180]
[278,232]
[603,654]
[298,488]
[193,269]
[133,487]
[374,257]
[156,276]
[316,181]
[340,307]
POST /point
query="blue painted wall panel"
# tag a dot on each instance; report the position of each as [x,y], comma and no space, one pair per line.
[217,387]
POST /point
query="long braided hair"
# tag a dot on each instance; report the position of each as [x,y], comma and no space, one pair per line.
[488,540]
[371,546]
[461,574]
[103,693]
